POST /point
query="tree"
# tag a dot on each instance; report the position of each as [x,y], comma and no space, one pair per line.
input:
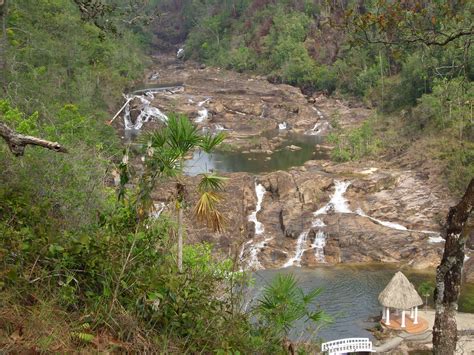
[165,153]
[426,289]
[283,303]
[449,275]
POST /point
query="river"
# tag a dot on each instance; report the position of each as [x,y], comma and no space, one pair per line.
[350,292]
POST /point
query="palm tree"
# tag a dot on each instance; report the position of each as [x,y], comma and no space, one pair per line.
[165,153]
[283,303]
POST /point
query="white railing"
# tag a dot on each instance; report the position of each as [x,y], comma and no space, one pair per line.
[348,345]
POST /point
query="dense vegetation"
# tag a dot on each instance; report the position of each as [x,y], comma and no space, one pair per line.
[411,60]
[84,265]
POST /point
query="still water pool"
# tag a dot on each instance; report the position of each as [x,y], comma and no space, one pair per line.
[349,295]
[280,159]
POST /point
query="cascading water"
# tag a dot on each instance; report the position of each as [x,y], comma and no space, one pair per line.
[219,127]
[203,113]
[320,114]
[391,225]
[338,202]
[300,249]
[147,113]
[260,192]
[255,248]
[318,246]
[282,126]
[158,209]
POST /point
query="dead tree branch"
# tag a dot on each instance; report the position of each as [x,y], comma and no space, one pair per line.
[17,142]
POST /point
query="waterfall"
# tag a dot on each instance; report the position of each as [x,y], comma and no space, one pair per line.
[391,225]
[255,248]
[158,209]
[319,126]
[147,113]
[318,246]
[260,192]
[219,127]
[282,126]
[203,113]
[253,262]
[438,239]
[338,202]
[319,113]
[300,243]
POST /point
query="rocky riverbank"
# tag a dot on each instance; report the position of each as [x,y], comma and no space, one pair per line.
[317,213]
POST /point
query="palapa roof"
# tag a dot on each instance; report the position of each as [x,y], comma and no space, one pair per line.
[400,293]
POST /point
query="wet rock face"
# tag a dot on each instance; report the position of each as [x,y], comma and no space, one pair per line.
[287,212]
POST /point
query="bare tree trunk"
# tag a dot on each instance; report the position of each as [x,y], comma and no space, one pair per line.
[180,239]
[17,142]
[449,274]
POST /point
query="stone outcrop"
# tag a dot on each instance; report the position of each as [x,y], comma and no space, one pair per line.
[392,208]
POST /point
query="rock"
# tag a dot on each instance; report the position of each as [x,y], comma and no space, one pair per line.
[217,107]
[293,147]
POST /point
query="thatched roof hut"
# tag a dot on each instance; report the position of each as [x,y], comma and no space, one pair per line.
[400,293]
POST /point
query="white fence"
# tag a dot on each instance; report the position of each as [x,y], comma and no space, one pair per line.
[348,345]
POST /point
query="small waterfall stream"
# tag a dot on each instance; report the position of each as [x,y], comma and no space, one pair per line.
[300,249]
[203,113]
[282,126]
[147,113]
[260,192]
[338,204]
[252,246]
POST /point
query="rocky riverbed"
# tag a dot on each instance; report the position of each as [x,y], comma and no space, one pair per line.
[317,212]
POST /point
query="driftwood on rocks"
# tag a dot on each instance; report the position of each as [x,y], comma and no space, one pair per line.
[449,275]
[17,142]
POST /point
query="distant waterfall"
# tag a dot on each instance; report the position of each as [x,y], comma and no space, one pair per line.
[300,249]
[260,192]
[147,112]
[252,247]
[337,203]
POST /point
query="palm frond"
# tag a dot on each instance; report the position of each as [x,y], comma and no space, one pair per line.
[206,211]
[182,134]
[154,139]
[210,141]
[211,182]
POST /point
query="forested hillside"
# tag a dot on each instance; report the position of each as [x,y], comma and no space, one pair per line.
[108,243]
[412,60]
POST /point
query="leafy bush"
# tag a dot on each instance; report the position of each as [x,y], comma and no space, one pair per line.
[357,143]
